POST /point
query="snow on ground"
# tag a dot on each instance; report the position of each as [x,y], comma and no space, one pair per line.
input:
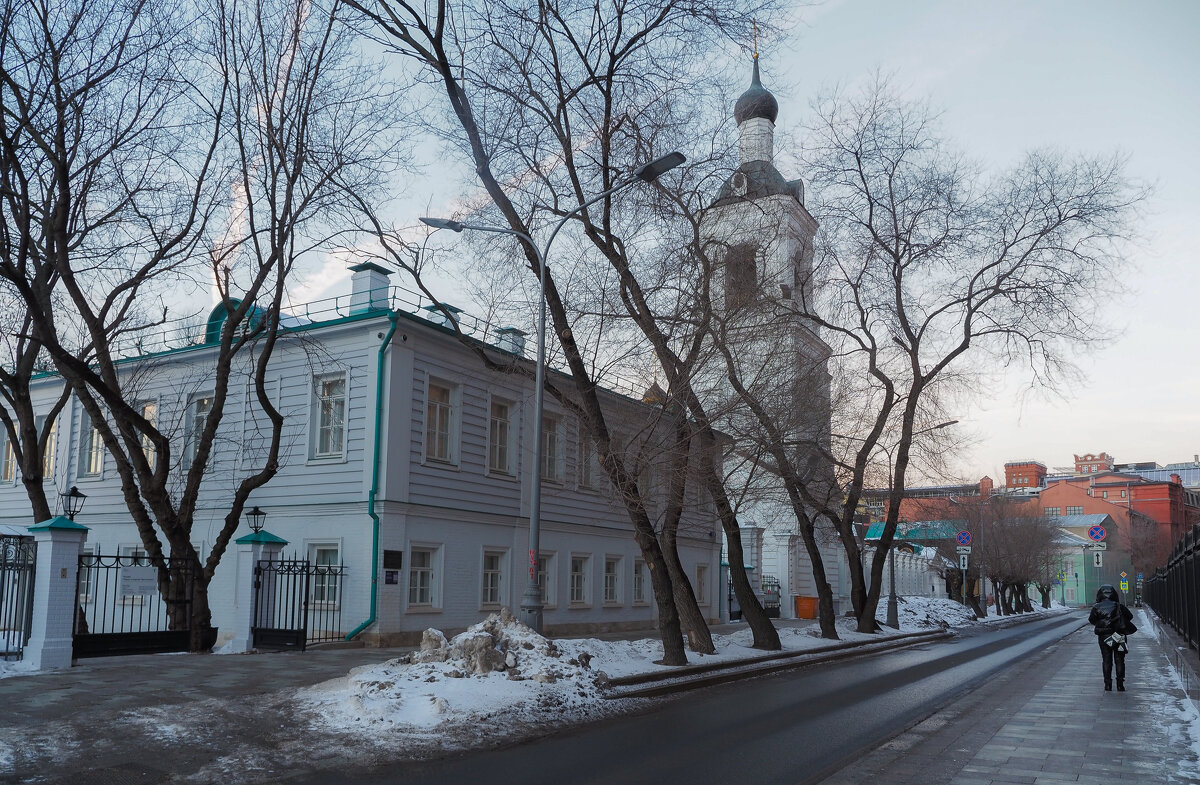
[500,680]
[1177,715]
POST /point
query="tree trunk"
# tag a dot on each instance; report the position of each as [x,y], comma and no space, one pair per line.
[973,600]
[691,619]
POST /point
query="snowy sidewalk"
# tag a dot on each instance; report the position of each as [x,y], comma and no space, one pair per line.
[1049,721]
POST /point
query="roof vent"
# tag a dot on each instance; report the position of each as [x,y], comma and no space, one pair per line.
[512,340]
[436,313]
[369,288]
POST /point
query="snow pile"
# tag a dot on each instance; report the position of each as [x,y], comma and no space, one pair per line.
[15,668]
[926,613]
[499,678]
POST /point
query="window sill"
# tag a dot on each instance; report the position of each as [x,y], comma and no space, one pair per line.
[579,606]
[435,463]
[325,460]
[641,604]
[490,607]
[614,604]
[422,609]
[496,474]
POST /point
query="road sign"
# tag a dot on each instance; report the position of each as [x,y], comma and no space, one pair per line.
[1099,559]
[963,561]
[1124,575]
[1139,576]
[1097,546]
[1124,585]
[963,549]
[963,537]
[1097,533]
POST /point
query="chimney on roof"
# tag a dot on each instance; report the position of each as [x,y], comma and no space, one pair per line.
[510,339]
[368,288]
[1175,478]
[985,487]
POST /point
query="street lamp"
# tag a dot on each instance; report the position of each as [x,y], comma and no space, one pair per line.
[531,602]
[257,519]
[73,502]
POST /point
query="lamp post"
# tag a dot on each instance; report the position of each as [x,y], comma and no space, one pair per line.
[256,518]
[531,602]
[893,611]
[73,502]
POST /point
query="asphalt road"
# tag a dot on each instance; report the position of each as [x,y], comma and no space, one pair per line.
[791,728]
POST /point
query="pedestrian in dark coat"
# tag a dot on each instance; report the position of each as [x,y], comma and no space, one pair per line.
[1113,622]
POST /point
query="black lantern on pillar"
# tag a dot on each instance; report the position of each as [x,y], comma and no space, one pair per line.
[256,518]
[73,502]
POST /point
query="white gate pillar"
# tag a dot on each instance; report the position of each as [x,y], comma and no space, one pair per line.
[59,543]
[260,546]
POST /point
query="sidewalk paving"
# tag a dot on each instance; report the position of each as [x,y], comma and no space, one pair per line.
[160,718]
[1049,721]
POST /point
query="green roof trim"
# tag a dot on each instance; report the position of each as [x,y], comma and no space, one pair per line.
[263,537]
[919,530]
[58,523]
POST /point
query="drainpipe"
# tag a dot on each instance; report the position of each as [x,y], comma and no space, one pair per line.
[394,318]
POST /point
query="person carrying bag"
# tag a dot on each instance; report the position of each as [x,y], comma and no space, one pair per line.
[1113,623]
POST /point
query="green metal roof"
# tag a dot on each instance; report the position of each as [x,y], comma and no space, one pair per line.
[919,530]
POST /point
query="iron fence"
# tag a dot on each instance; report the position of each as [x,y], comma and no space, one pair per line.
[18,555]
[297,603]
[121,608]
[1172,590]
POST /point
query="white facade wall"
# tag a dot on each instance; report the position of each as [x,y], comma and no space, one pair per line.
[458,509]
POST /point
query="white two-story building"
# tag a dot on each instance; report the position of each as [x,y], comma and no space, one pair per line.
[443,445]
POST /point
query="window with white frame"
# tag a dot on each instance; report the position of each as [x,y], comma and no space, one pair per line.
[552,454]
[132,556]
[1075,510]
[329,416]
[51,447]
[91,449]
[327,559]
[1053,512]
[8,465]
[612,579]
[198,410]
[149,412]
[578,580]
[422,565]
[639,582]
[1122,494]
[546,579]
[439,422]
[500,437]
[493,577]
[87,580]
[702,584]
[589,463]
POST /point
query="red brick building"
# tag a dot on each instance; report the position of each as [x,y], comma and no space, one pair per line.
[1170,508]
[1093,464]
[1024,474]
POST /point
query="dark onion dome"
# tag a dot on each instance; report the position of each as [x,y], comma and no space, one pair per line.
[757,101]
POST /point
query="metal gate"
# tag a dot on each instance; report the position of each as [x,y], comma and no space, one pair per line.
[121,609]
[296,603]
[18,556]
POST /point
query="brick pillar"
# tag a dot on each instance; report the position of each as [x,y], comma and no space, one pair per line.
[251,549]
[59,543]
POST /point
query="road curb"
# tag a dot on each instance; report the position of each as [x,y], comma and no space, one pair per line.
[649,685]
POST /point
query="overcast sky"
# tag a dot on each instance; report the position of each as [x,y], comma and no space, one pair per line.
[1082,76]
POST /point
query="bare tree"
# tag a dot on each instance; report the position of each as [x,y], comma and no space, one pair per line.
[144,125]
[927,268]
[543,98]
